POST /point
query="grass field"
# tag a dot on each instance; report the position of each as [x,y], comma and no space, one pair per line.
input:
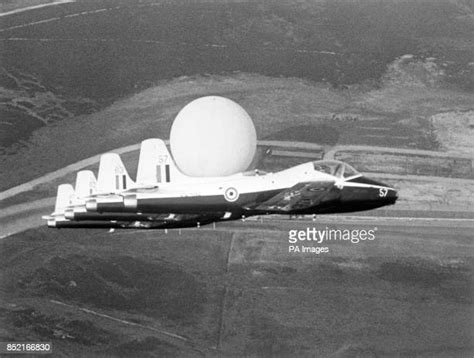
[408,164]
[238,288]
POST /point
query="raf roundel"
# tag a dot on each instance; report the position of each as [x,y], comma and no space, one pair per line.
[231,194]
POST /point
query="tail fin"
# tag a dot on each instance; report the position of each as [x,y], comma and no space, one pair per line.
[156,164]
[86,184]
[113,176]
[64,198]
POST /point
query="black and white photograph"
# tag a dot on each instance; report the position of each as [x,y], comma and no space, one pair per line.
[237,178]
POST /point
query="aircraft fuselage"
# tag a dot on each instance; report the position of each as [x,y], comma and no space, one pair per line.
[299,190]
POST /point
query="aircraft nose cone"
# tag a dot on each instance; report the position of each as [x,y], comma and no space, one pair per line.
[381,193]
[392,196]
[387,194]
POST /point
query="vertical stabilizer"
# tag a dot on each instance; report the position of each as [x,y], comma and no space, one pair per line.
[64,198]
[156,166]
[86,184]
[113,176]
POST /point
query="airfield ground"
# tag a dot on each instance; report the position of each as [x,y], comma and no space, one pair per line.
[236,290]
[73,88]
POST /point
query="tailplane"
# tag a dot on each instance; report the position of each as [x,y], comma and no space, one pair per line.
[156,166]
[113,176]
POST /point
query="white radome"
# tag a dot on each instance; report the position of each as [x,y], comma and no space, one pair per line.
[213,136]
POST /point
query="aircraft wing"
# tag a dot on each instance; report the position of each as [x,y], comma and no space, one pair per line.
[301,196]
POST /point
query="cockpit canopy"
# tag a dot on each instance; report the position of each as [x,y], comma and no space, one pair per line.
[335,168]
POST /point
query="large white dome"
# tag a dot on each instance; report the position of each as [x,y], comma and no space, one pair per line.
[213,136]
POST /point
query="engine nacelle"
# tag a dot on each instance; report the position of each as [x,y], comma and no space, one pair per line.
[130,202]
[106,203]
[91,205]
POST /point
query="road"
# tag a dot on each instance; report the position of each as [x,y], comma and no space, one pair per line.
[18,218]
[34,7]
